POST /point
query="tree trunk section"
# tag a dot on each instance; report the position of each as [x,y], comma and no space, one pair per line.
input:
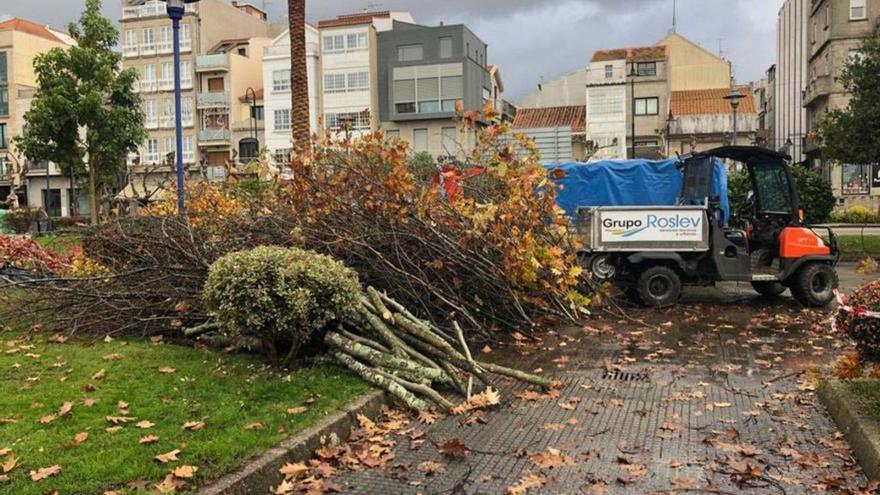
[299,76]
[93,194]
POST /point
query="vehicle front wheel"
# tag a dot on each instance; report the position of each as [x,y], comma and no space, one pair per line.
[659,287]
[814,285]
[601,267]
[768,289]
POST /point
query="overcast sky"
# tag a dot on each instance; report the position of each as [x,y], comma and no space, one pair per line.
[530,39]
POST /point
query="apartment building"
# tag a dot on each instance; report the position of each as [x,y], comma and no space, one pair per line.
[564,91]
[627,101]
[424,71]
[790,126]
[21,41]
[349,69]
[146,38]
[276,81]
[837,29]
[228,104]
[703,120]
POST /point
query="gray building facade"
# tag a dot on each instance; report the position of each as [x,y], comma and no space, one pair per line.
[423,71]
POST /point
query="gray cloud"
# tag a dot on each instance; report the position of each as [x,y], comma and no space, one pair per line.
[530,39]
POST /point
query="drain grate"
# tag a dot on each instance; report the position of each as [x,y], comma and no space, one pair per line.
[625,376]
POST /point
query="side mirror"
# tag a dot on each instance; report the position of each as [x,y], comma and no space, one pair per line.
[750,198]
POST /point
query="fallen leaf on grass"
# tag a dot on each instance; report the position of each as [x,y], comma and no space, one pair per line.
[112,357]
[122,405]
[47,419]
[149,439]
[58,339]
[120,419]
[66,409]
[526,483]
[145,424]
[113,429]
[166,370]
[297,410]
[100,375]
[80,437]
[10,463]
[168,456]
[46,472]
[453,448]
[254,426]
[193,425]
[185,471]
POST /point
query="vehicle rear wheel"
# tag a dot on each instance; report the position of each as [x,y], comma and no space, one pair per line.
[659,287]
[768,289]
[601,267]
[814,285]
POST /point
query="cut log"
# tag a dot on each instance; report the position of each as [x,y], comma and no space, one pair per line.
[418,388]
[389,385]
[382,360]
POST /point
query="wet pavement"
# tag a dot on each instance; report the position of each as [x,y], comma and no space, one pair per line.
[716,395]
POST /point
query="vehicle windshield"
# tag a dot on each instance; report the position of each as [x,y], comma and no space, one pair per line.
[772,188]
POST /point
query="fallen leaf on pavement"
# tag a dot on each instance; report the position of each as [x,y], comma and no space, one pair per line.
[550,459]
[526,483]
[453,448]
[431,468]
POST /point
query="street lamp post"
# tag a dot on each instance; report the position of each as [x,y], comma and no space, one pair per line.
[176,9]
[734,97]
[632,82]
[669,121]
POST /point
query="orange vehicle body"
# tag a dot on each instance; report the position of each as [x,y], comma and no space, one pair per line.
[796,242]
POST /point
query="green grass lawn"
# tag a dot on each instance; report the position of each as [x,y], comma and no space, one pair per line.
[60,243]
[867,392]
[856,247]
[225,392]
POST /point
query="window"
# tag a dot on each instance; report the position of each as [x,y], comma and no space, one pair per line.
[647,106]
[409,107]
[149,39]
[4,71]
[283,155]
[356,42]
[487,95]
[3,139]
[334,83]
[4,100]
[450,140]
[185,72]
[170,147]
[167,71]
[410,53]
[166,38]
[857,10]
[392,134]
[446,47]
[149,73]
[168,108]
[282,120]
[420,140]
[216,85]
[355,121]
[150,110]
[334,44]
[431,106]
[281,80]
[646,68]
[258,113]
[358,81]
[185,36]
[609,71]
[131,42]
[856,179]
[248,150]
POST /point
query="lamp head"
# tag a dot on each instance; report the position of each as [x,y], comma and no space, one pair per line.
[734,97]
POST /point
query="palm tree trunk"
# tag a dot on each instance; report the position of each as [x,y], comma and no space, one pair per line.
[299,78]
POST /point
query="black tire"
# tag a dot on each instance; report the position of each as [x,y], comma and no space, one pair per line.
[813,285]
[769,289]
[601,268]
[659,287]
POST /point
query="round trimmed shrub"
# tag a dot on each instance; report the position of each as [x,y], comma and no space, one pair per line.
[863,330]
[280,296]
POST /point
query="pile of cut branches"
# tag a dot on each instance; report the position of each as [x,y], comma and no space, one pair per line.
[411,358]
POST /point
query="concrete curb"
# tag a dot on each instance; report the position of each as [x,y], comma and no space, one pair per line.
[262,473]
[861,431]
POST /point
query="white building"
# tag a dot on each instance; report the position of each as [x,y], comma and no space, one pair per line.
[277,99]
[564,91]
[349,68]
[606,104]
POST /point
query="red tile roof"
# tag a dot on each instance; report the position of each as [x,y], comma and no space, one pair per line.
[532,118]
[635,53]
[710,102]
[32,28]
[354,19]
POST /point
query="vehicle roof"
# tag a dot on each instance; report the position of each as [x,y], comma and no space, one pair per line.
[744,154]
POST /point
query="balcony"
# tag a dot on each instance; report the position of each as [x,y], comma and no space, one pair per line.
[600,77]
[148,49]
[166,84]
[149,86]
[212,63]
[151,158]
[818,88]
[151,123]
[130,51]
[213,100]
[214,136]
[186,83]
[152,8]
[186,46]
[166,47]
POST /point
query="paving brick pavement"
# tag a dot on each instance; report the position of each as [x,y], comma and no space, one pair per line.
[714,396]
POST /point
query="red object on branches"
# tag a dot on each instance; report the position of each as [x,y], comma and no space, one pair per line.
[451,177]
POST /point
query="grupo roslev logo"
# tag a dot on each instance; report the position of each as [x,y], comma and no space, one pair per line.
[631,227]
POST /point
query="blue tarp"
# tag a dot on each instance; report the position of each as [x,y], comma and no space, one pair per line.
[628,183]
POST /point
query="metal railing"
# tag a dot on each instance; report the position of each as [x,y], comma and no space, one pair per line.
[166,84]
[151,158]
[189,157]
[166,47]
[153,8]
[207,100]
[148,49]
[130,50]
[151,123]
[212,135]
[148,86]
